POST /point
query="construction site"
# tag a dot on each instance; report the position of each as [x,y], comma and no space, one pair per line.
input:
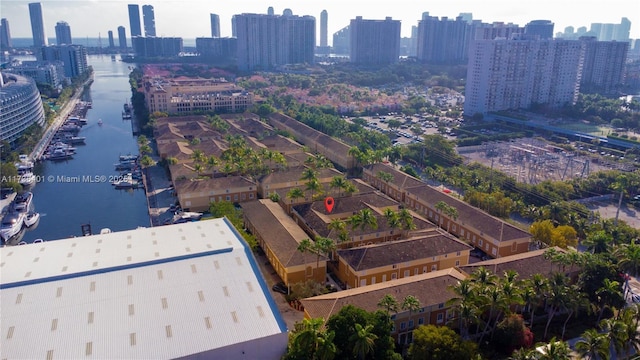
[532,161]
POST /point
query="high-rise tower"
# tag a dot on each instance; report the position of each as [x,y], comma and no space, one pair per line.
[542,28]
[374,41]
[63,33]
[149,20]
[37,25]
[323,28]
[134,20]
[215,25]
[122,37]
[270,11]
[5,35]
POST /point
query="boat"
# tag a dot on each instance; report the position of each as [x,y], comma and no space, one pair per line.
[38,241]
[27,178]
[59,155]
[73,139]
[31,219]
[76,121]
[69,128]
[100,122]
[22,202]
[25,163]
[186,216]
[127,182]
[105,231]
[11,225]
[126,166]
[129,157]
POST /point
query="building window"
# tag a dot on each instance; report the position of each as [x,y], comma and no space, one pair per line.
[440,317]
[420,321]
[457,262]
[458,253]
[494,251]
[235,197]
[402,325]
[424,269]
[228,198]
[363,282]
[410,324]
[250,195]
[407,273]
[384,277]
[479,242]
[416,271]
[461,231]
[373,280]
[434,267]
[394,266]
[441,305]
[394,276]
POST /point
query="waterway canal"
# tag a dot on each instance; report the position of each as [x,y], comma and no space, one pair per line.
[75,192]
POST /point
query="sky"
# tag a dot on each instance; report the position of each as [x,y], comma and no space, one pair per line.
[190,18]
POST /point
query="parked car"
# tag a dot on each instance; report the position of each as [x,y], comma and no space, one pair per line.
[281,288]
[476,253]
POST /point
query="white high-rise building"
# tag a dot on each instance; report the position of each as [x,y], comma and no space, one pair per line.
[514,74]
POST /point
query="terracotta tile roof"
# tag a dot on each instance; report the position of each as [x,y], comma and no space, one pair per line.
[396,252]
[278,231]
[525,264]
[431,289]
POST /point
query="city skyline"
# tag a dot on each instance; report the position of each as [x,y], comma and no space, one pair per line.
[168,13]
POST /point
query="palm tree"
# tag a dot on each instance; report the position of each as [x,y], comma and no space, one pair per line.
[556,298]
[608,294]
[574,301]
[598,242]
[322,246]
[198,156]
[393,220]
[593,345]
[620,184]
[363,340]
[384,176]
[555,350]
[412,304]
[325,348]
[309,174]
[628,257]
[524,354]
[616,333]
[407,220]
[363,219]
[440,207]
[295,194]
[315,187]
[338,182]
[212,162]
[389,304]
[339,226]
[629,316]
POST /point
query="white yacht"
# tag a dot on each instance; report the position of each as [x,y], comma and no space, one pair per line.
[27,178]
[11,225]
[31,219]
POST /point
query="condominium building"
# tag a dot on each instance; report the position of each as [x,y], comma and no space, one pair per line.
[43,72]
[112,44]
[149,20]
[485,31]
[341,41]
[217,48]
[37,25]
[608,32]
[147,47]
[134,20]
[5,35]
[324,17]
[215,25]
[604,64]
[176,96]
[268,41]
[443,41]
[63,33]
[516,73]
[122,37]
[20,106]
[74,58]
[541,28]
[374,42]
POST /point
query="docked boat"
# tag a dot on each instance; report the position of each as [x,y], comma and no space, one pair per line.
[25,164]
[70,128]
[59,155]
[27,178]
[38,241]
[76,121]
[129,157]
[126,166]
[31,219]
[11,225]
[127,182]
[22,202]
[73,139]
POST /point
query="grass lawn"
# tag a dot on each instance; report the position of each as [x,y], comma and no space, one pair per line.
[586,128]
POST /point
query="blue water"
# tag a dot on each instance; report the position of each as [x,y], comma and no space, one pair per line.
[64,206]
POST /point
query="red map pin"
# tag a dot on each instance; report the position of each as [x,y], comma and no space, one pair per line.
[328,204]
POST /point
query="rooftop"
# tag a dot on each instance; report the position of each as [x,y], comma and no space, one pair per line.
[150,293]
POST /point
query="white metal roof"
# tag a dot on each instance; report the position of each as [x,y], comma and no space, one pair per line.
[162,292]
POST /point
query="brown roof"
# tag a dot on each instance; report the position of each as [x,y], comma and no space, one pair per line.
[400,179]
[278,231]
[430,289]
[469,216]
[396,252]
[525,264]
[217,184]
[281,144]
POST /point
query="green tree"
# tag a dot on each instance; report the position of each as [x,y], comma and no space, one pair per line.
[322,246]
[411,304]
[593,345]
[363,340]
[432,342]
[628,258]
[389,303]
[555,350]
[295,194]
